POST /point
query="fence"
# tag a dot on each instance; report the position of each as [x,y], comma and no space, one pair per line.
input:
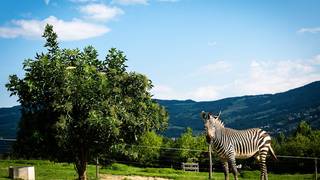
[310,159]
[294,164]
[284,164]
[190,167]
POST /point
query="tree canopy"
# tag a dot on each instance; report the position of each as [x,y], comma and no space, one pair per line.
[303,142]
[75,106]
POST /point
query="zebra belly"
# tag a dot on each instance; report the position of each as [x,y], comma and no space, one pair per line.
[245,156]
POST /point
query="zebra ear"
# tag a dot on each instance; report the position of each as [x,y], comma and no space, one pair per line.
[203,115]
[219,114]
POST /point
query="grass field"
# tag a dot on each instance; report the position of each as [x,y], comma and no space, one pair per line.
[46,170]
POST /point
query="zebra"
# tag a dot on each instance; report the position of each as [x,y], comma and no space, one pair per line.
[232,144]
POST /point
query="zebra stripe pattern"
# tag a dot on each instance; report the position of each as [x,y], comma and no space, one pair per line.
[232,144]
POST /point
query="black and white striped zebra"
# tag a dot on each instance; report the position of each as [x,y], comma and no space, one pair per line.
[232,144]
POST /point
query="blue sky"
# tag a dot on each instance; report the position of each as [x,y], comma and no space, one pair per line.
[190,49]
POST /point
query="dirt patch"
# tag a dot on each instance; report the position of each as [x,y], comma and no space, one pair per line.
[119,177]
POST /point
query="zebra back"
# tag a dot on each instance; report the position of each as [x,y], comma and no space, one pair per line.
[245,143]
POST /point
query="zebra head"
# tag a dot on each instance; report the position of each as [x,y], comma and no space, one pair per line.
[211,124]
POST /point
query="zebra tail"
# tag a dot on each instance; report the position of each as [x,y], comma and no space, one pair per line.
[273,154]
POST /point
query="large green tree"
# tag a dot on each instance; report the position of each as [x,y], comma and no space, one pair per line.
[75,106]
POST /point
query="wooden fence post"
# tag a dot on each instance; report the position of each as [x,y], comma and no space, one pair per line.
[210,161]
[316,168]
[97,168]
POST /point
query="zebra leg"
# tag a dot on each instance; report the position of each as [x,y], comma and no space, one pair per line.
[264,145]
[234,167]
[226,169]
[263,167]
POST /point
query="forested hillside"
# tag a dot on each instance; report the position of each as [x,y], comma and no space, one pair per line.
[273,112]
[9,118]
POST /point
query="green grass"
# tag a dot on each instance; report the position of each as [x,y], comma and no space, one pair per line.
[54,171]
[121,169]
[256,175]
[45,170]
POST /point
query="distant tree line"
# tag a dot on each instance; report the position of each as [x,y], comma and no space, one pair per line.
[303,142]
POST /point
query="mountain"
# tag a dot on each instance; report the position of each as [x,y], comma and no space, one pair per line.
[9,119]
[272,112]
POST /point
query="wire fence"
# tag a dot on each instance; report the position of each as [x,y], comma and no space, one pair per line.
[284,164]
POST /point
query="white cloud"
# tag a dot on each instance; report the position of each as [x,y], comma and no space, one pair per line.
[219,66]
[259,77]
[309,30]
[163,92]
[9,32]
[100,12]
[213,68]
[67,30]
[316,60]
[130,2]
[277,76]
[205,93]
[47,2]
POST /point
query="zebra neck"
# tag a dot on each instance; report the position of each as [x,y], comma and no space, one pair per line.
[217,140]
[218,123]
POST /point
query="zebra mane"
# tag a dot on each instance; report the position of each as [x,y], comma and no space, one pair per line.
[216,119]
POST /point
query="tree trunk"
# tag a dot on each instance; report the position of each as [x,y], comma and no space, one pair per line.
[81,166]
[83,176]
[81,163]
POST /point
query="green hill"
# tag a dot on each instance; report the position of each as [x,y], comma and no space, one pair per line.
[272,112]
[9,118]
